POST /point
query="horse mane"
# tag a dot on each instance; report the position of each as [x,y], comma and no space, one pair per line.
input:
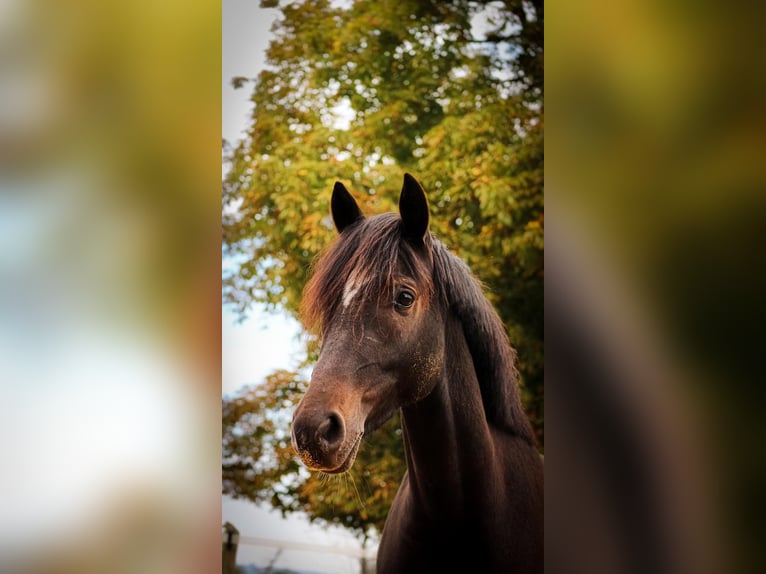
[372,249]
[491,352]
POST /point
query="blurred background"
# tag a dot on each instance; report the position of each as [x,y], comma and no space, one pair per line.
[655,176]
[109,336]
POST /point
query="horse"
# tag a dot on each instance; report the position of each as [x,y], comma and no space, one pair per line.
[405,325]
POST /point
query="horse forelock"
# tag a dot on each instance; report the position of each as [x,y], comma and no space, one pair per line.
[362,264]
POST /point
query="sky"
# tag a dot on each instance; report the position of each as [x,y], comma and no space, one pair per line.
[260,345]
[246,35]
[265,341]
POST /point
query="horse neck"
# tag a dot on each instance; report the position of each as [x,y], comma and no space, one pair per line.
[448,441]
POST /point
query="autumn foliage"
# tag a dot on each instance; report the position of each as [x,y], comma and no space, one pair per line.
[360,92]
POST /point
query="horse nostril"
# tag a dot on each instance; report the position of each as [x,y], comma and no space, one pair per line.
[330,431]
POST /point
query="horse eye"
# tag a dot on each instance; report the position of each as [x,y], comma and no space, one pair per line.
[405,299]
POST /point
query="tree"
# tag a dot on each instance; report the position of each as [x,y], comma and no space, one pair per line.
[449,90]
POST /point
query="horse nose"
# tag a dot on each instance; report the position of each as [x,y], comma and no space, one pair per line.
[330,431]
[320,435]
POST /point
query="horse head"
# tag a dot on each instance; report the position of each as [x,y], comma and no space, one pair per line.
[373,297]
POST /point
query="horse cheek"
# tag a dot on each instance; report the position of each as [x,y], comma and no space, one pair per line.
[427,373]
[425,366]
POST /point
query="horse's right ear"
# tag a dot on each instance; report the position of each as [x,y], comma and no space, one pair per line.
[413,208]
[344,209]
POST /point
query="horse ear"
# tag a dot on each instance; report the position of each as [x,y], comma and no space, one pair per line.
[344,209]
[413,209]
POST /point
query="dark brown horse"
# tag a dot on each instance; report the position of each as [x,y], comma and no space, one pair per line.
[406,326]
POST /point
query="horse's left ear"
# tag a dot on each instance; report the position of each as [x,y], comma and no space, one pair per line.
[413,209]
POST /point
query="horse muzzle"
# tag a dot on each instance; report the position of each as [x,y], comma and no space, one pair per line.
[322,440]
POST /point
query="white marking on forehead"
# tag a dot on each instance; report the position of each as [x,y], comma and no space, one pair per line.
[351,288]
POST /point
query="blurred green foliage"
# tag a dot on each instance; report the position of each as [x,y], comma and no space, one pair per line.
[450,91]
